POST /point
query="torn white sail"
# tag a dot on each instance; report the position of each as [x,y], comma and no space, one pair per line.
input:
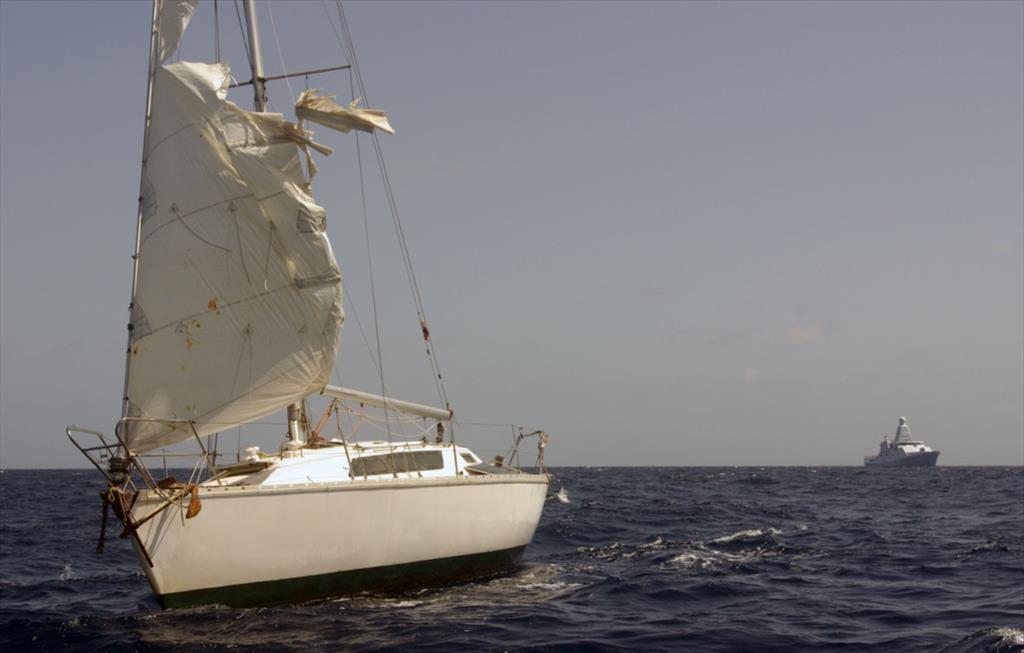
[323,110]
[238,305]
[173,17]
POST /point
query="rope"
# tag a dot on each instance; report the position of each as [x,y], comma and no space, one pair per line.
[103,521]
[194,505]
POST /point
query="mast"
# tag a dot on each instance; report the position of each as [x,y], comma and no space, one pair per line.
[259,103]
[259,100]
[138,218]
[903,431]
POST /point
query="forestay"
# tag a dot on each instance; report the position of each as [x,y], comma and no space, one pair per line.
[237,308]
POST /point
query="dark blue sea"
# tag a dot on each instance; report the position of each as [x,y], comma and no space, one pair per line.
[630,559]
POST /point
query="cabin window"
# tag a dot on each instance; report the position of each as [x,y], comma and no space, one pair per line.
[399,462]
[469,458]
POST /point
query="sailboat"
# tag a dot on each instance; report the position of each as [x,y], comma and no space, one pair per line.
[235,314]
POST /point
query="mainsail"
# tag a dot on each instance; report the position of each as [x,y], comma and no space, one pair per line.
[237,308]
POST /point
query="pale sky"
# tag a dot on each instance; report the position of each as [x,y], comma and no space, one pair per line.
[666,233]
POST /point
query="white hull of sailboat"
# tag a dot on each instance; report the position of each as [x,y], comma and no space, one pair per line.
[252,545]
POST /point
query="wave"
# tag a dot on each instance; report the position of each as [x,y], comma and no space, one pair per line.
[759,534]
[741,548]
[562,495]
[634,559]
[990,640]
[994,545]
[68,574]
[728,551]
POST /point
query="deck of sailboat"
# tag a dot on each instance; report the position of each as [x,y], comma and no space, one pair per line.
[334,463]
[212,490]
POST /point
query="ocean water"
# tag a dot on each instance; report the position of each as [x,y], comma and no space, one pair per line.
[708,559]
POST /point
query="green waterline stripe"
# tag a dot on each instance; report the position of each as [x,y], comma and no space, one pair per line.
[388,578]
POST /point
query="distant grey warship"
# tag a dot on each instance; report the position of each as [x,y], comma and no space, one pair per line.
[903,451]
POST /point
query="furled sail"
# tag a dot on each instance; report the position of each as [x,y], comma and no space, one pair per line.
[237,308]
[325,111]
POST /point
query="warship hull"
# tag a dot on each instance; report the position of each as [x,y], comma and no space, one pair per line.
[920,459]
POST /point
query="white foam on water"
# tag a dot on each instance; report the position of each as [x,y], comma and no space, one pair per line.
[535,584]
[744,535]
[562,495]
[701,557]
[704,555]
[691,560]
[67,573]
[1010,635]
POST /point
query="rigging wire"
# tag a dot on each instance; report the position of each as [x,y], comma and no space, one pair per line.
[373,291]
[374,358]
[362,332]
[330,19]
[280,53]
[379,361]
[349,47]
[245,39]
